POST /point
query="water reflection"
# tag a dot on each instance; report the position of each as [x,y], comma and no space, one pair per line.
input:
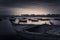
[39,22]
[51,21]
[55,22]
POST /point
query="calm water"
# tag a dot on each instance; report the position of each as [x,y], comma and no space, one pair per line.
[39,22]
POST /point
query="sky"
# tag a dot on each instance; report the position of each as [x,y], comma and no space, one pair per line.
[41,7]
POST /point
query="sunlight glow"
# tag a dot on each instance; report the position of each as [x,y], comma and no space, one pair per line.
[31,10]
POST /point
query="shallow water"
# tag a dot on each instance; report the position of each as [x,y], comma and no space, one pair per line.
[39,22]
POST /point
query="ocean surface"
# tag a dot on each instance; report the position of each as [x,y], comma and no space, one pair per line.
[50,21]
